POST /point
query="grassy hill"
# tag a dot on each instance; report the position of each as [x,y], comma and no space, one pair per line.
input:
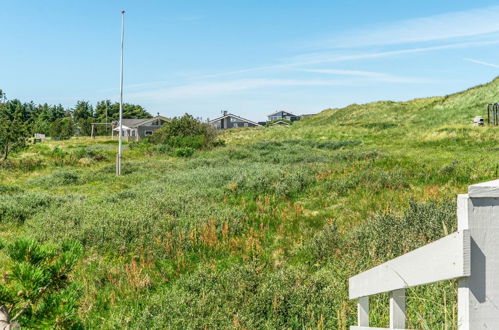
[264,232]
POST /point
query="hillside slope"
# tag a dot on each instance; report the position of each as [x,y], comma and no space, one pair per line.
[265,231]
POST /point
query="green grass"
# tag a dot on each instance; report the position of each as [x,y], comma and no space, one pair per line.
[265,231]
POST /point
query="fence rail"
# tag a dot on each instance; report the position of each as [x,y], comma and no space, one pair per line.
[471,255]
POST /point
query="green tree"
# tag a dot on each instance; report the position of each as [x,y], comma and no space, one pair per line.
[83,117]
[36,290]
[133,111]
[106,109]
[185,131]
[44,117]
[83,110]
[13,128]
[62,128]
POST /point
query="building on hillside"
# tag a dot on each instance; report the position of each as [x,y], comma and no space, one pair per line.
[283,115]
[135,129]
[229,120]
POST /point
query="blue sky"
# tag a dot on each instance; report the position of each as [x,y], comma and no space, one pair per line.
[248,57]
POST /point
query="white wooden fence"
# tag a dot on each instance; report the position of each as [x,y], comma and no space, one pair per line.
[471,255]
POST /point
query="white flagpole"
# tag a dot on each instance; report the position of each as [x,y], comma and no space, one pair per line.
[118,162]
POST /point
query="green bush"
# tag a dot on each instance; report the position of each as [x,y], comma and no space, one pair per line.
[219,143]
[185,131]
[4,189]
[38,292]
[184,152]
[387,236]
[59,178]
[164,148]
[329,145]
[18,207]
[62,128]
[23,164]
[194,141]
[85,152]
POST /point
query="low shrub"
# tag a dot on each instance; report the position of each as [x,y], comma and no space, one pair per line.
[387,236]
[325,244]
[58,178]
[379,126]
[185,131]
[219,143]
[193,142]
[4,189]
[23,164]
[30,164]
[18,207]
[97,155]
[184,152]
[38,290]
[328,145]
[164,148]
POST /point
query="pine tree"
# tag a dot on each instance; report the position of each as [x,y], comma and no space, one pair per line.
[13,128]
[36,290]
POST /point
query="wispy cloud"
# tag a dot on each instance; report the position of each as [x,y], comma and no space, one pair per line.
[226,87]
[323,57]
[371,76]
[217,88]
[457,30]
[327,57]
[340,72]
[461,24]
[482,63]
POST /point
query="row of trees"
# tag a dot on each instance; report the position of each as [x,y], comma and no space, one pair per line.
[19,120]
[44,118]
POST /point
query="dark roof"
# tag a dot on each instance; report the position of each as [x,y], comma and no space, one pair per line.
[292,114]
[237,117]
[132,123]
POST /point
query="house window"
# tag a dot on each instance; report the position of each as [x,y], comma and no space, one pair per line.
[148,133]
[232,119]
[245,124]
[236,125]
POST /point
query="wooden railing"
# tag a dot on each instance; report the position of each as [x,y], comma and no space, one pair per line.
[470,255]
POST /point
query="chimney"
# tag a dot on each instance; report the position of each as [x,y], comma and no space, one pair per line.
[225,112]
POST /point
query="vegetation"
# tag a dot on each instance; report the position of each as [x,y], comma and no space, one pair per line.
[260,233]
[269,123]
[36,289]
[13,129]
[56,121]
[181,136]
[185,131]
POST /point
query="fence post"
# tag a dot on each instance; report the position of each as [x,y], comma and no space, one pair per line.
[478,294]
[363,312]
[397,309]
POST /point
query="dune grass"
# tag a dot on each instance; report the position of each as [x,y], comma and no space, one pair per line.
[265,231]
